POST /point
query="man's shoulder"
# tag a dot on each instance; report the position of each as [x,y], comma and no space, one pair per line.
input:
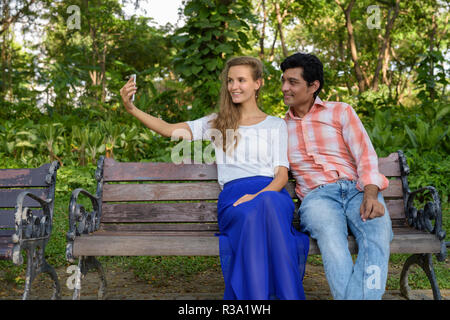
[336,104]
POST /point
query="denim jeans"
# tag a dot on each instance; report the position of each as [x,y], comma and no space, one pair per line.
[327,213]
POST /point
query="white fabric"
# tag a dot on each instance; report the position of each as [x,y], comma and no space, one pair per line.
[261,148]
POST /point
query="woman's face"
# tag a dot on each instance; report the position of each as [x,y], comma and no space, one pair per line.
[241,86]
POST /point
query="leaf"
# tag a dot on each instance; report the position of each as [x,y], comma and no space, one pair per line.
[442,113]
[211,65]
[412,136]
[24,144]
[196,69]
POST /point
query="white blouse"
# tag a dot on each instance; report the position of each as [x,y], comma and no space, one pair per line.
[261,148]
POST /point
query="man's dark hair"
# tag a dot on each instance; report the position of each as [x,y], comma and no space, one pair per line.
[312,68]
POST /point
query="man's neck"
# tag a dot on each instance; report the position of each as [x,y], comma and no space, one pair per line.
[301,110]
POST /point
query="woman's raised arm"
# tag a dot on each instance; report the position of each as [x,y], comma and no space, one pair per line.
[179,130]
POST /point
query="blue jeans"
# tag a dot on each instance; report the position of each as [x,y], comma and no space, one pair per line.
[327,213]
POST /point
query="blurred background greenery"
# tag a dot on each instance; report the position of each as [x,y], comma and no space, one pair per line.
[59,91]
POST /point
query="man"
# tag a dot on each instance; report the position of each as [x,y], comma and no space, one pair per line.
[337,180]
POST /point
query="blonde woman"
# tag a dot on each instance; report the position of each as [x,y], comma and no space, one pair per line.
[262,255]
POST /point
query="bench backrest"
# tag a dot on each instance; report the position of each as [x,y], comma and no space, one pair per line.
[147,196]
[39,181]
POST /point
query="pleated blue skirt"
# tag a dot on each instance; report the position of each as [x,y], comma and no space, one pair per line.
[262,255]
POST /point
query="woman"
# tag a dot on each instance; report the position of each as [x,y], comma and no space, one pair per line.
[262,255]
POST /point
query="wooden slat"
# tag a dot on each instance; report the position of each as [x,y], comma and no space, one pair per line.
[193,191]
[24,177]
[395,189]
[161,191]
[92,245]
[390,165]
[395,208]
[8,197]
[156,171]
[202,233]
[160,212]
[402,243]
[7,219]
[176,227]
[398,223]
[415,243]
[405,229]
[186,212]
[185,245]
[6,232]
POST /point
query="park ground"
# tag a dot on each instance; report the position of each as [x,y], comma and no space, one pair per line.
[123,284]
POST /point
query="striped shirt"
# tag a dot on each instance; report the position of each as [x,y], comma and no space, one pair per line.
[330,143]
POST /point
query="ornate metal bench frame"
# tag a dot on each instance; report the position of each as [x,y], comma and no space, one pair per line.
[422,220]
[32,234]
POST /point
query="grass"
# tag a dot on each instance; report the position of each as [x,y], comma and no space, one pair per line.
[159,269]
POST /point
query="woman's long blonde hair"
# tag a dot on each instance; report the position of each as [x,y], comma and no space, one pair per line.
[230,113]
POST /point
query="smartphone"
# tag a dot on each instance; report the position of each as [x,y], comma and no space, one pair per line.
[134,79]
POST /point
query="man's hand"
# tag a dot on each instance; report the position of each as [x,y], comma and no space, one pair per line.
[371,207]
[244,198]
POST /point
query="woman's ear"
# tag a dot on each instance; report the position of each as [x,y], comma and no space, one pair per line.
[260,83]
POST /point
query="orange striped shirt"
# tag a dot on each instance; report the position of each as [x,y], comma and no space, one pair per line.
[330,143]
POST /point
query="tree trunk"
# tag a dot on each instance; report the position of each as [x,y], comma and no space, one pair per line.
[263,31]
[280,27]
[103,68]
[432,40]
[6,52]
[386,39]
[386,60]
[360,77]
[272,50]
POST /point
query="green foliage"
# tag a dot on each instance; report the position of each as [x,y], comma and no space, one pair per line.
[385,134]
[215,31]
[429,81]
[430,168]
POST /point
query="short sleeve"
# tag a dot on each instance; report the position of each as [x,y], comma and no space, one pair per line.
[200,127]
[280,145]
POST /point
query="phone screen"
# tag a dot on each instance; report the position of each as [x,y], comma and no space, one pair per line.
[134,79]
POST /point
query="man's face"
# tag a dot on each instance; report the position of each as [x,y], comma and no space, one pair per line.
[295,89]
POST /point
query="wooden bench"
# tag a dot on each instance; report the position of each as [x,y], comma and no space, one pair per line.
[163,209]
[26,216]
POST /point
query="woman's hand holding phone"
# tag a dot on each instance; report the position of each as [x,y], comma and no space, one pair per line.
[127,93]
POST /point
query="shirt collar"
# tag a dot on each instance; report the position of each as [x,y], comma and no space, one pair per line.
[317,101]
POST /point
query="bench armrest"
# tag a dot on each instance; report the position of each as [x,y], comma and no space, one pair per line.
[421,219]
[80,220]
[30,226]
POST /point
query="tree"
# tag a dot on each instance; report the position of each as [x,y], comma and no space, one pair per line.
[87,64]
[214,31]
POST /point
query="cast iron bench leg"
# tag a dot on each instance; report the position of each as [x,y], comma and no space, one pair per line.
[36,265]
[84,265]
[424,260]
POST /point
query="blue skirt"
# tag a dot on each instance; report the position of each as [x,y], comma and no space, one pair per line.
[262,255]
